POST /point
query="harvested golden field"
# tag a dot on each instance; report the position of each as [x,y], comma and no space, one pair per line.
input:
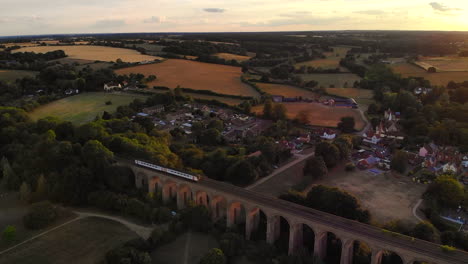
[320,115]
[285,90]
[444,64]
[21,44]
[195,75]
[94,53]
[438,78]
[230,56]
[332,79]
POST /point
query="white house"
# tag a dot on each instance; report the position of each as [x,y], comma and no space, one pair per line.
[111,86]
[328,136]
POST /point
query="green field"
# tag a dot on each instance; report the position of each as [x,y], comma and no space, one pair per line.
[84,107]
[188,248]
[338,80]
[83,241]
[12,75]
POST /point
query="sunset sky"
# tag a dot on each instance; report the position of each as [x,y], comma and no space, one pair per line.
[24,17]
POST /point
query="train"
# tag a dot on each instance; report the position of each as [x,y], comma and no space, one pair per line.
[184,175]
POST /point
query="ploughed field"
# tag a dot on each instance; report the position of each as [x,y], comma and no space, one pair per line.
[438,78]
[320,115]
[84,107]
[195,75]
[93,53]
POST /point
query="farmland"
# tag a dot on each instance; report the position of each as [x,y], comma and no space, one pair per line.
[320,115]
[285,90]
[332,60]
[439,78]
[195,75]
[12,75]
[445,64]
[83,107]
[336,80]
[363,97]
[229,56]
[86,240]
[94,53]
[226,100]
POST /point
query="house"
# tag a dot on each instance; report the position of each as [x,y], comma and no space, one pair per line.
[303,138]
[371,137]
[422,90]
[328,134]
[428,150]
[277,98]
[449,168]
[112,86]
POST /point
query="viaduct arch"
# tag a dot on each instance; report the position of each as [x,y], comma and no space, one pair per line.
[240,206]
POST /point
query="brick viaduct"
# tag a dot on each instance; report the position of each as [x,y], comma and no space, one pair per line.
[239,205]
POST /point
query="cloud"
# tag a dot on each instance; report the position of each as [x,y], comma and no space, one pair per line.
[214,10]
[109,23]
[442,8]
[155,19]
[312,21]
[370,12]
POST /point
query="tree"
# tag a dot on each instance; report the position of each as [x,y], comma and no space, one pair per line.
[446,191]
[303,116]
[399,161]
[9,233]
[336,201]
[425,231]
[241,173]
[346,124]
[214,256]
[10,180]
[268,109]
[431,70]
[197,217]
[25,192]
[315,167]
[41,189]
[97,156]
[279,112]
[329,152]
[232,244]
[40,215]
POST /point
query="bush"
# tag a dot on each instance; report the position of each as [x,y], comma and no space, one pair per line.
[447,249]
[40,215]
[425,231]
[214,256]
[350,166]
[232,244]
[9,233]
[108,102]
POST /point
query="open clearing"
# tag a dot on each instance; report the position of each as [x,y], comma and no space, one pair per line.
[338,80]
[438,78]
[285,90]
[230,56]
[188,248]
[12,75]
[445,64]
[94,53]
[84,107]
[195,75]
[83,241]
[387,197]
[320,115]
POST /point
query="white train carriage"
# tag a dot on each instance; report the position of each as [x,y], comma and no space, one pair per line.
[187,176]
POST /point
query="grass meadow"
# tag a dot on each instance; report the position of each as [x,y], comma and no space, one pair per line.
[84,107]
